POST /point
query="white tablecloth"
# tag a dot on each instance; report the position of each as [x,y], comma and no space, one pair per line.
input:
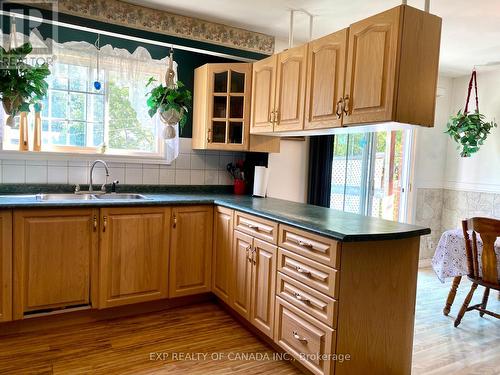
[450,259]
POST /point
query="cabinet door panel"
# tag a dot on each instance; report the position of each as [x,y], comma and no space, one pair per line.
[222,252]
[371,68]
[191,250]
[242,274]
[134,255]
[325,80]
[290,89]
[263,95]
[53,254]
[5,266]
[263,286]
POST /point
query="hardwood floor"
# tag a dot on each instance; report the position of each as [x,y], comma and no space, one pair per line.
[439,347]
[124,345]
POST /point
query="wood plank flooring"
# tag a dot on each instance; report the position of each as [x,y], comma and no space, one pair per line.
[128,345]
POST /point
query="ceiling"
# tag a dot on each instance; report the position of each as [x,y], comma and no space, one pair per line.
[470,36]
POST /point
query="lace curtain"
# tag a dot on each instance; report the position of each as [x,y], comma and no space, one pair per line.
[120,61]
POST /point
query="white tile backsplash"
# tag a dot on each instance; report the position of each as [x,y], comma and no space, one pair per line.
[192,167]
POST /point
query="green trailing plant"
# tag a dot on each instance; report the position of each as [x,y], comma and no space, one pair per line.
[469,130]
[21,84]
[162,99]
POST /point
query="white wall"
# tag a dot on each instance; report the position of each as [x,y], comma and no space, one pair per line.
[288,171]
[481,171]
[431,143]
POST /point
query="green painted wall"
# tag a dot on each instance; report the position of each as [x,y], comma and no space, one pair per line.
[187,61]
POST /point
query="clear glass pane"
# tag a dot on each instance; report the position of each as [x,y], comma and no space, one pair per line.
[77,106]
[45,106]
[78,78]
[58,132]
[59,104]
[220,107]
[98,134]
[236,106]
[338,172]
[219,132]
[96,108]
[220,82]
[236,132]
[237,82]
[58,78]
[77,133]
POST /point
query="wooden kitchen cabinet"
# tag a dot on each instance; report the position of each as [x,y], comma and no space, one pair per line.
[325,81]
[191,250]
[242,274]
[55,255]
[263,94]
[5,266]
[221,116]
[392,68]
[222,252]
[263,286]
[254,281]
[278,92]
[290,89]
[134,250]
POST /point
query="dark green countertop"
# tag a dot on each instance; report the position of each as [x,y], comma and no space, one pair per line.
[339,225]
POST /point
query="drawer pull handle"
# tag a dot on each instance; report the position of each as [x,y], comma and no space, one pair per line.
[251,226]
[249,258]
[298,337]
[303,270]
[301,298]
[306,244]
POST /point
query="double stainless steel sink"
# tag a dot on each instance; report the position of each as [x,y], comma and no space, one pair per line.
[89,196]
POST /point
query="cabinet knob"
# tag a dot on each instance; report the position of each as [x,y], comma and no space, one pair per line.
[104,223]
[174,224]
[209,133]
[346,108]
[298,337]
[95,223]
[340,109]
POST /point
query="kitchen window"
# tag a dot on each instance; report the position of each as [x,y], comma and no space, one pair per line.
[77,118]
[370,173]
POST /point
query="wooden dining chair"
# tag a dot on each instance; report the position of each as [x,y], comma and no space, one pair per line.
[486,275]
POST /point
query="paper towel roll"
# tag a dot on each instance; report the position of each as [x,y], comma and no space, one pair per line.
[260,181]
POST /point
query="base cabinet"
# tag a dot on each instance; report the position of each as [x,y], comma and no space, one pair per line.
[133,255]
[222,252]
[254,281]
[54,254]
[191,250]
[5,266]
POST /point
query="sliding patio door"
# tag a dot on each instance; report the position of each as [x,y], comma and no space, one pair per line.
[370,173]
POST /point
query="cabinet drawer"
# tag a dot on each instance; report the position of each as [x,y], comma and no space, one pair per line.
[318,248]
[266,230]
[316,275]
[307,340]
[308,300]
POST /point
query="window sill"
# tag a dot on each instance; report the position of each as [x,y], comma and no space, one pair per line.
[50,155]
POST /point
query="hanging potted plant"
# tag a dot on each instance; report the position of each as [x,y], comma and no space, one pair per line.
[21,84]
[171,101]
[469,130]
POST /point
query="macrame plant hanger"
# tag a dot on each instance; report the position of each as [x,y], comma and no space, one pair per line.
[97,82]
[473,80]
[169,117]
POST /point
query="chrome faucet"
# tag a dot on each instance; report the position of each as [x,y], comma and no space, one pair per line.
[103,187]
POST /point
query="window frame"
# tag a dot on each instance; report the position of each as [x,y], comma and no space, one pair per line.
[68,150]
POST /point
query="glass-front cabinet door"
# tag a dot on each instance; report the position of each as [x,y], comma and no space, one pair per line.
[229,106]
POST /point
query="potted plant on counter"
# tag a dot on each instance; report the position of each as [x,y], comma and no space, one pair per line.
[21,84]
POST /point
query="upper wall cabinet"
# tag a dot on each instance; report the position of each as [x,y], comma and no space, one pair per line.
[381,69]
[325,81]
[290,89]
[278,92]
[221,116]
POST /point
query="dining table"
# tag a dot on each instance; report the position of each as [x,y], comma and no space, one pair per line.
[450,260]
